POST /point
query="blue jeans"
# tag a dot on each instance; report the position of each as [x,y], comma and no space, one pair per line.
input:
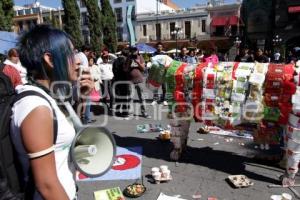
[87,113]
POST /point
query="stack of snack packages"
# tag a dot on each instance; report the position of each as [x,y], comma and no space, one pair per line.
[209,95]
[293,134]
[240,76]
[198,91]
[224,85]
[254,107]
[179,117]
[277,98]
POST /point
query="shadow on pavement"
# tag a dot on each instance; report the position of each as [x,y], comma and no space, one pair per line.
[223,161]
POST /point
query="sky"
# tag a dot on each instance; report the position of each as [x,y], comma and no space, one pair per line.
[56,3]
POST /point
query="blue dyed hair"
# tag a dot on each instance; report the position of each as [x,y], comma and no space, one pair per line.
[45,39]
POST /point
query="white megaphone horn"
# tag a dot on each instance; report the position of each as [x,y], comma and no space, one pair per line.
[93,150]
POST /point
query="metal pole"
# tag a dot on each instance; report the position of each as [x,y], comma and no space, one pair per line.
[176,43]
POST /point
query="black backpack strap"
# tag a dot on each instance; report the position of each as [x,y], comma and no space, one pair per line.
[34,93]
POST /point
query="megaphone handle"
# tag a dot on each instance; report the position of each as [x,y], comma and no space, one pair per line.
[75,119]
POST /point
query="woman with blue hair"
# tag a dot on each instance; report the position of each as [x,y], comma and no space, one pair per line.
[47,54]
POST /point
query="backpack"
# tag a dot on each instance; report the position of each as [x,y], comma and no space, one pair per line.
[11,185]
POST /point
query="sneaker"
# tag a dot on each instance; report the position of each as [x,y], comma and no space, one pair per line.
[154,103]
[165,103]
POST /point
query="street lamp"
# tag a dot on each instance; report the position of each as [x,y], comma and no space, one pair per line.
[176,32]
[277,40]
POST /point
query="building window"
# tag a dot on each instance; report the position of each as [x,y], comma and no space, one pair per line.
[158,31]
[203,26]
[187,27]
[172,28]
[84,19]
[82,4]
[117,1]
[144,30]
[120,33]
[119,15]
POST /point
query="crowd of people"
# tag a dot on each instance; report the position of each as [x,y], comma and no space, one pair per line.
[48,55]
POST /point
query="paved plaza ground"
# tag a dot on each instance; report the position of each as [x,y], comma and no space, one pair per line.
[209,160]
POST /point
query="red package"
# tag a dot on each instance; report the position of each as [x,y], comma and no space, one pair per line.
[289,71]
[285,98]
[272,99]
[285,109]
[275,77]
[210,83]
[289,87]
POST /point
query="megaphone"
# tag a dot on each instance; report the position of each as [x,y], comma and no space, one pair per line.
[93,150]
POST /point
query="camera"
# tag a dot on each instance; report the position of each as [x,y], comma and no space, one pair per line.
[133,56]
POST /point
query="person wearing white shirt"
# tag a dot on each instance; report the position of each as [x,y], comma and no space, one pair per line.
[106,76]
[14,61]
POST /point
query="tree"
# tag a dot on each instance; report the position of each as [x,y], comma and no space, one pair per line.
[72,21]
[54,21]
[6,15]
[94,24]
[109,26]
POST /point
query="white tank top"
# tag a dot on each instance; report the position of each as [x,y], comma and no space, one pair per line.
[65,136]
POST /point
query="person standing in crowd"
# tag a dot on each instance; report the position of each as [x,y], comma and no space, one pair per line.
[200,55]
[14,61]
[106,77]
[260,57]
[13,75]
[85,51]
[96,77]
[135,64]
[277,57]
[192,59]
[121,84]
[183,57]
[159,51]
[210,56]
[243,56]
[47,54]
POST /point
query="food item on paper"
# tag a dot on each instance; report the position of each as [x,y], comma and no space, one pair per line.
[203,130]
[134,190]
[165,135]
[240,181]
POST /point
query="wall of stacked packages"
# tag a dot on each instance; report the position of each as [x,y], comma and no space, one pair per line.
[262,97]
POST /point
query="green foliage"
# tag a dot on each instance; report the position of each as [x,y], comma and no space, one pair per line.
[54,21]
[94,24]
[109,24]
[6,15]
[72,21]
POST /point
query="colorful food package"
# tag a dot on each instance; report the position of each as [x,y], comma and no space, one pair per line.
[293,133]
[156,77]
[253,111]
[198,91]
[271,114]
[259,74]
[268,133]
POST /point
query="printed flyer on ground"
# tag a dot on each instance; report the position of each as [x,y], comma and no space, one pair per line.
[109,194]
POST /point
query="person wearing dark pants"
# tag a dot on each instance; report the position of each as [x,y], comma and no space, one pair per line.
[121,84]
[156,99]
[106,76]
[135,65]
[139,90]
[106,91]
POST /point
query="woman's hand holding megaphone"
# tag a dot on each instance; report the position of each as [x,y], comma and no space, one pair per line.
[86,82]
